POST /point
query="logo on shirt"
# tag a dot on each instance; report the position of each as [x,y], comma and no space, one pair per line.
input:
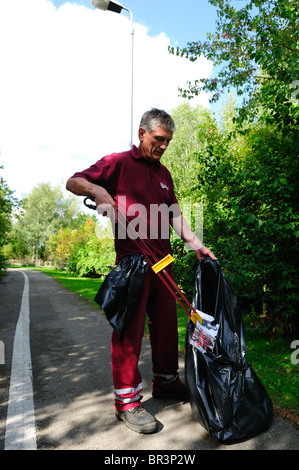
[164,186]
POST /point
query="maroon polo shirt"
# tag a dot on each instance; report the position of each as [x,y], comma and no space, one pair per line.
[144,194]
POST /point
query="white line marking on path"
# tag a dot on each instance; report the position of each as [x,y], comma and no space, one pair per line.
[20,423]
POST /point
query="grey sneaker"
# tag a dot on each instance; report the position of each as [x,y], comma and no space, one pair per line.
[138,420]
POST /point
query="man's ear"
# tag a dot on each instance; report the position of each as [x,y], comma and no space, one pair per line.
[141,133]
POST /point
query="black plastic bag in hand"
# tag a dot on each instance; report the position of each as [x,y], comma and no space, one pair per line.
[226,396]
[119,293]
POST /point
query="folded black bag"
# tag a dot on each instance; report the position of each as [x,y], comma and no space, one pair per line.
[119,293]
[226,396]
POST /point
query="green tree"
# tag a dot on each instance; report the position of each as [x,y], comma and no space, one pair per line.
[257,47]
[44,210]
[193,127]
[7,204]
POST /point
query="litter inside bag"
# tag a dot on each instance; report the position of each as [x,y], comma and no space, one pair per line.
[204,333]
[119,293]
[226,396]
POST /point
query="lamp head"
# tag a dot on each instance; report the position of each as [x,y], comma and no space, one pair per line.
[107,5]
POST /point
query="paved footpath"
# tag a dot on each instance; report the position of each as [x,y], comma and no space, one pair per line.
[58,393]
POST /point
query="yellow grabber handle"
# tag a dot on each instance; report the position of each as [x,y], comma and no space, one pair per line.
[161,265]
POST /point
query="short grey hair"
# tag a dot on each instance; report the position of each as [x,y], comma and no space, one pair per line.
[156,117]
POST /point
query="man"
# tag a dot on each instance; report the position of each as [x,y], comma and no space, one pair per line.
[131,182]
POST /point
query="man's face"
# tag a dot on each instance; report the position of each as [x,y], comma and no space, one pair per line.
[153,144]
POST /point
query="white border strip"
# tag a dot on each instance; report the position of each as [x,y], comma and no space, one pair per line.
[20,423]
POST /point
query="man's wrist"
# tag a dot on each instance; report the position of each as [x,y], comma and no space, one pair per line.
[195,244]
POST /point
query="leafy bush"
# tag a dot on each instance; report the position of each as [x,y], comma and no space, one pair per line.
[82,251]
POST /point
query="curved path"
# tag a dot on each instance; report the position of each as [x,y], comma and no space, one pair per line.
[56,386]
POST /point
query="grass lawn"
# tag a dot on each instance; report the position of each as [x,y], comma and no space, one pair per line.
[271,360]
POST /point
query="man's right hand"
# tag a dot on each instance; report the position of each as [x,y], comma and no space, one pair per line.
[105,203]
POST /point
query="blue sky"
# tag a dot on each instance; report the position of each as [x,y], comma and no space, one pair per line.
[66,77]
[182,20]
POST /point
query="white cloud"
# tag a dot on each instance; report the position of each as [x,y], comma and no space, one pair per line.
[65,87]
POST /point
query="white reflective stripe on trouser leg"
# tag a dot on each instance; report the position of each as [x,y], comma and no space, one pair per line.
[166,379]
[127,400]
[128,391]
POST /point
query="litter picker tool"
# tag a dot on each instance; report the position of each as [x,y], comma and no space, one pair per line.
[204,333]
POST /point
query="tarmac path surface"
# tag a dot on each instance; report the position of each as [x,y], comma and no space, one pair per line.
[56,390]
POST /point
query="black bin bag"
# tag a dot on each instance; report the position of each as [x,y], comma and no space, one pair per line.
[226,396]
[120,291]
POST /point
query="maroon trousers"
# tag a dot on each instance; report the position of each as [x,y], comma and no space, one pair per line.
[160,305]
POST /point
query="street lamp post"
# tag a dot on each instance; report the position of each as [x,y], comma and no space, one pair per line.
[117,7]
